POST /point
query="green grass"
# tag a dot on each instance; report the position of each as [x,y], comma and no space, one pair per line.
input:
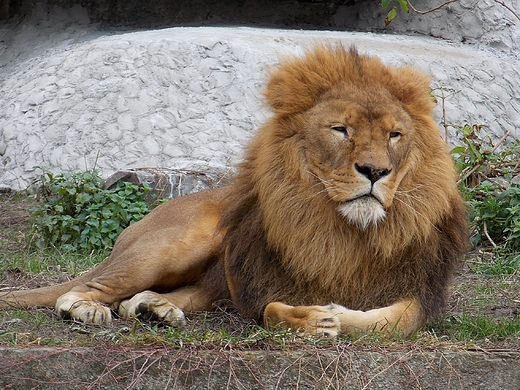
[469,328]
[49,261]
[497,262]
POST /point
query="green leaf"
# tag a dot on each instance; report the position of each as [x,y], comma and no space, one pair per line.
[385,3]
[458,150]
[467,130]
[390,16]
[404,5]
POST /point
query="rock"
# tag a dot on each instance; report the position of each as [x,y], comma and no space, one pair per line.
[169,183]
[343,368]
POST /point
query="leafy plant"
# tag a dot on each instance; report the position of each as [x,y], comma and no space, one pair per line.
[491,182]
[77,213]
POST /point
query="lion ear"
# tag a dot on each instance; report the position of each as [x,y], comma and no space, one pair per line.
[296,84]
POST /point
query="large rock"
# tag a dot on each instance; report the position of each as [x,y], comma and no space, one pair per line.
[170,183]
[78,97]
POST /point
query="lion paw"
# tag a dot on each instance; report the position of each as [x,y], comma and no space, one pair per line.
[322,321]
[152,306]
[71,305]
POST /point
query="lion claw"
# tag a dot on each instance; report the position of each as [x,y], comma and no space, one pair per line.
[152,307]
[323,321]
[90,312]
[328,327]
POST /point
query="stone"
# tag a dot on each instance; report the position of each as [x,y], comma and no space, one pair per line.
[343,367]
[168,183]
[152,97]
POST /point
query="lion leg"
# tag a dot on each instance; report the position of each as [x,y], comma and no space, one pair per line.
[168,307]
[400,319]
[91,301]
[165,251]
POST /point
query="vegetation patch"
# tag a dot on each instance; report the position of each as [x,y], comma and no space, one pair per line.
[75,211]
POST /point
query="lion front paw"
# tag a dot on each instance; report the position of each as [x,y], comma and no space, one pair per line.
[313,320]
[152,306]
[71,305]
[323,321]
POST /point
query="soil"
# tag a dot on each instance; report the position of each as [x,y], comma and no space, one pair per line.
[473,294]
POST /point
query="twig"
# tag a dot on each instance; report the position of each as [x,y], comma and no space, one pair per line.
[501,140]
[432,9]
[509,8]
[399,360]
[477,166]
[443,98]
[487,235]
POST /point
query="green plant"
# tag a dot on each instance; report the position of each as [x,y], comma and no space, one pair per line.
[77,213]
[391,15]
[501,262]
[490,180]
[465,327]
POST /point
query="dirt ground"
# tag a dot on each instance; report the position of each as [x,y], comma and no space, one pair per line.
[473,294]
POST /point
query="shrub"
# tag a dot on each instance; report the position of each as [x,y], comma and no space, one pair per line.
[490,180]
[77,213]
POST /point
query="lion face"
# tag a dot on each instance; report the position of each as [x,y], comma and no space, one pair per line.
[356,146]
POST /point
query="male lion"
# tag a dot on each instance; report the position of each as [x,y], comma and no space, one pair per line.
[344,216]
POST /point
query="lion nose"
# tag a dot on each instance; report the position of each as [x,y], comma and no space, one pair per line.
[372,172]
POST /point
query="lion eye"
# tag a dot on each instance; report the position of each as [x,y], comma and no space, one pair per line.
[394,135]
[340,129]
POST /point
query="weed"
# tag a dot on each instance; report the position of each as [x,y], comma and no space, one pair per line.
[76,213]
[499,261]
[490,182]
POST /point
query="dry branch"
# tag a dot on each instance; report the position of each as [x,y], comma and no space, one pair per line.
[431,9]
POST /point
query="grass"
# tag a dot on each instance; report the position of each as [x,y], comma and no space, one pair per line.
[469,328]
[483,310]
[497,262]
[52,262]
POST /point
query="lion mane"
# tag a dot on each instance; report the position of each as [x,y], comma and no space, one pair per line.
[285,240]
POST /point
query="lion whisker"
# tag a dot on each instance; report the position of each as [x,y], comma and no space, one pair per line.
[407,196]
[417,212]
[320,182]
[411,189]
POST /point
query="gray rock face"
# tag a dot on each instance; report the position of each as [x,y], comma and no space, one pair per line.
[77,97]
[483,23]
[170,183]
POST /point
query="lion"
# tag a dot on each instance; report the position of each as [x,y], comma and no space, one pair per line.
[343,218]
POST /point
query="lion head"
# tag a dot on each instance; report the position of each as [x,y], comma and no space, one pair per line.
[357,147]
[348,191]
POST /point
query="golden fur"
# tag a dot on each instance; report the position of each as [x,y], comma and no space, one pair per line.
[344,216]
